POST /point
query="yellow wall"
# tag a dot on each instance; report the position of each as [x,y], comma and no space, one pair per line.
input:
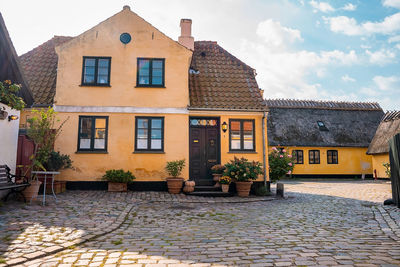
[350,161]
[377,161]
[103,40]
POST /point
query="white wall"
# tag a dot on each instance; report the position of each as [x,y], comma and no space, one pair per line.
[9,138]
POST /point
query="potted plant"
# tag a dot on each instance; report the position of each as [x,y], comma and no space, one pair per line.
[43,132]
[242,171]
[174,169]
[217,171]
[281,163]
[225,181]
[118,180]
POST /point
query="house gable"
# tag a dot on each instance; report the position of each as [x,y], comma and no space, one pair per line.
[103,40]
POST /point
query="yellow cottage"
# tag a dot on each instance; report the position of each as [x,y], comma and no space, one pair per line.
[327,139]
[379,147]
[135,99]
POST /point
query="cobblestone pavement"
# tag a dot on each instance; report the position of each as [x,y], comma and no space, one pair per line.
[309,228]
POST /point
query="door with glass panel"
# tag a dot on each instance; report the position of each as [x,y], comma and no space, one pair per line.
[204,149]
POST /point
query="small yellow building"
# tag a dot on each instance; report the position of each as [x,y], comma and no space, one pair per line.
[379,147]
[135,99]
[327,139]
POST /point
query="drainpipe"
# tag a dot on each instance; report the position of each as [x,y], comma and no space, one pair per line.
[264,152]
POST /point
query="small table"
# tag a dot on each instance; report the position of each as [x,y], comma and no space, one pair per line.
[46,176]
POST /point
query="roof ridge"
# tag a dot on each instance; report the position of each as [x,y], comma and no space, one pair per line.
[322,104]
[391,115]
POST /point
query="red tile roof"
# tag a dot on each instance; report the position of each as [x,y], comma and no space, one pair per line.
[40,68]
[220,81]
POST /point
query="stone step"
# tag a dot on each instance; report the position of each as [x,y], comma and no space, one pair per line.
[202,188]
[210,194]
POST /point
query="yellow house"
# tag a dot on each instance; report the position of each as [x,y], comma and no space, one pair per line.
[135,99]
[379,147]
[326,139]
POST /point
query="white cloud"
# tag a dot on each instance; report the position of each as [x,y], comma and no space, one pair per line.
[347,78]
[387,83]
[349,26]
[273,33]
[392,3]
[321,6]
[381,57]
[349,7]
[394,39]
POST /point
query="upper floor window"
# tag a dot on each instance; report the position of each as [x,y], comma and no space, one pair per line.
[92,134]
[313,156]
[332,156]
[96,71]
[241,135]
[150,72]
[149,134]
[298,156]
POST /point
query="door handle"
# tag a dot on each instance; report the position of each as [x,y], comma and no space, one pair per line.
[212,160]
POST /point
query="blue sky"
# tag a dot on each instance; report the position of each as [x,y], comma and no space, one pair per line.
[346,50]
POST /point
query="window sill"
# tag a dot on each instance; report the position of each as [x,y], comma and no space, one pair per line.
[242,152]
[95,85]
[150,86]
[91,152]
[148,152]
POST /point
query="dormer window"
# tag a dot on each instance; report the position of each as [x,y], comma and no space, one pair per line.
[96,71]
[150,72]
[321,126]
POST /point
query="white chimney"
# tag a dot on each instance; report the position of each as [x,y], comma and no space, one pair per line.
[186,38]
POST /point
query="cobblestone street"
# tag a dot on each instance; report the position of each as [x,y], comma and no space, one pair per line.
[320,223]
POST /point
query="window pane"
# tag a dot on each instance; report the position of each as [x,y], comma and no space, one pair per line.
[102,79]
[248,135]
[88,79]
[235,144]
[142,123]
[156,134]
[104,63]
[86,133]
[101,123]
[103,71]
[156,123]
[248,144]
[90,62]
[84,143]
[142,133]
[156,144]
[99,143]
[157,80]
[157,64]
[142,143]
[157,72]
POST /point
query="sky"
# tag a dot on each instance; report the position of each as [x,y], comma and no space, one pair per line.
[343,50]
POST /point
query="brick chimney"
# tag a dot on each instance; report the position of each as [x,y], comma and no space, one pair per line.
[186,38]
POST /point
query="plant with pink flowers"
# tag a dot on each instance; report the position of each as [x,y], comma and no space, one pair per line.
[280,164]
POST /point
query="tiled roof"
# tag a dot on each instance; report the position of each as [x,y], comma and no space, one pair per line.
[292,103]
[220,81]
[40,68]
[389,127]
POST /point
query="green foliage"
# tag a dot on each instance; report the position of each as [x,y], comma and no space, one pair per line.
[262,191]
[218,169]
[242,170]
[280,164]
[58,161]
[118,176]
[174,168]
[8,95]
[387,169]
[42,130]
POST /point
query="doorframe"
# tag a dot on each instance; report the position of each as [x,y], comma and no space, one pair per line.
[219,136]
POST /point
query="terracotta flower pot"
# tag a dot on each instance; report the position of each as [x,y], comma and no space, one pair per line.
[225,188]
[31,192]
[117,187]
[174,185]
[216,177]
[243,188]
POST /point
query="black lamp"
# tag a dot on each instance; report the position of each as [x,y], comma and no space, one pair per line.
[12,117]
[224,127]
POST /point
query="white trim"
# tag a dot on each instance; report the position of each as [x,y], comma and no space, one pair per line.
[111,109]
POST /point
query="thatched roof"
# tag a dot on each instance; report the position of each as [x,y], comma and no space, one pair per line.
[10,68]
[389,127]
[322,123]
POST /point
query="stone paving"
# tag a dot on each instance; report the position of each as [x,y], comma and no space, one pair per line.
[311,227]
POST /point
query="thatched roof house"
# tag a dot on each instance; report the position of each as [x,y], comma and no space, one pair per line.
[389,127]
[322,123]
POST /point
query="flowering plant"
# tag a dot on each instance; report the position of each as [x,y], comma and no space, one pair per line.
[217,169]
[280,164]
[242,170]
[225,180]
